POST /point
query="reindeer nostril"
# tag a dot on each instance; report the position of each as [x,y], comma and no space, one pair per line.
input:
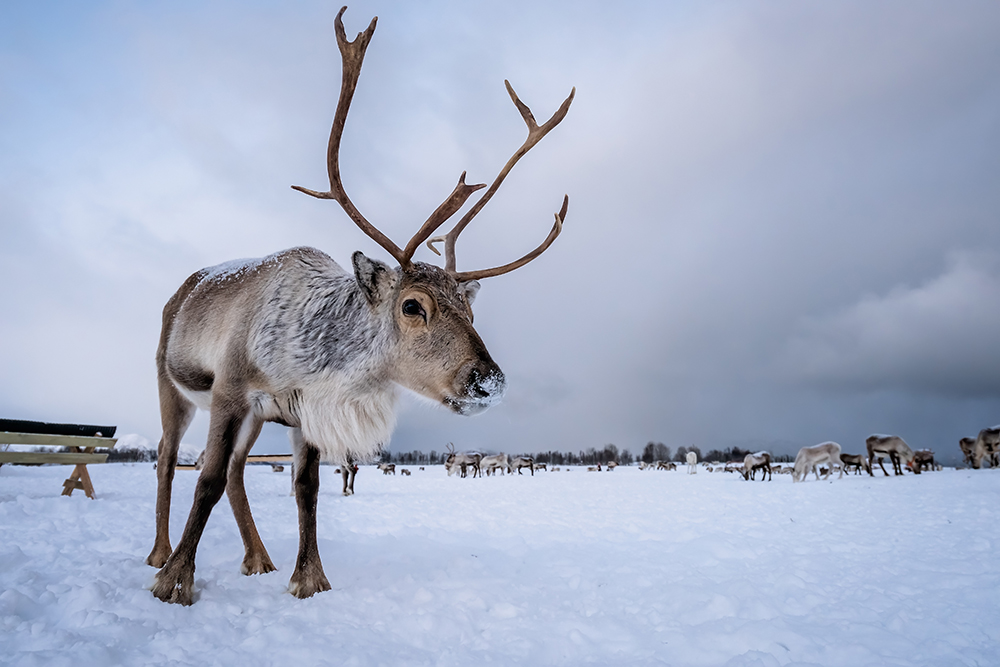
[475,384]
[487,385]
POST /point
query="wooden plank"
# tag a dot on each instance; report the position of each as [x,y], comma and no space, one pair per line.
[10,438]
[25,426]
[185,466]
[269,458]
[60,458]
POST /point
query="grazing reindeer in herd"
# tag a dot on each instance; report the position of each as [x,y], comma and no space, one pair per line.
[986,446]
[895,448]
[295,339]
[754,462]
[809,457]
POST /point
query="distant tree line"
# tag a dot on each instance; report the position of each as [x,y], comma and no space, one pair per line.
[131,455]
[653,451]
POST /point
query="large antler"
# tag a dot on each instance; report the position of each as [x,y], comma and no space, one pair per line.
[353,54]
[535,134]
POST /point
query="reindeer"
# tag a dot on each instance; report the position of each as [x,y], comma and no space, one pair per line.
[923,459]
[692,462]
[295,339]
[809,457]
[348,470]
[387,468]
[857,461]
[519,462]
[462,461]
[754,462]
[986,446]
[967,445]
[892,446]
[490,464]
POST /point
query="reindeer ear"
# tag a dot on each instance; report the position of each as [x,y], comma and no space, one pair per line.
[375,278]
[470,288]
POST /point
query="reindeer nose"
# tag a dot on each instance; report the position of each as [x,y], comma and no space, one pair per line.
[490,383]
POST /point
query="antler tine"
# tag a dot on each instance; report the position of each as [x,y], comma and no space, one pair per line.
[455,201]
[535,134]
[352,54]
[466,276]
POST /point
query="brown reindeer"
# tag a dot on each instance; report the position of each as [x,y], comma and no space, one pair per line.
[856,461]
[294,338]
[967,445]
[923,459]
[895,448]
[754,462]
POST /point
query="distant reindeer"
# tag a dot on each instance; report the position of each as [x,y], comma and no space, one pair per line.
[293,338]
[986,447]
[892,446]
[490,464]
[967,445]
[856,461]
[692,462]
[461,462]
[387,468]
[923,459]
[519,462]
[347,471]
[754,462]
[809,457]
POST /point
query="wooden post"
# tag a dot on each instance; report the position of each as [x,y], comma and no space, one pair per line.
[80,478]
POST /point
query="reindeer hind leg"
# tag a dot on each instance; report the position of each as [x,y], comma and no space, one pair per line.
[176,413]
[175,581]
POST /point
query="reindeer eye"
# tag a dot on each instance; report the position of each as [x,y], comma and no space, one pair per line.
[413,308]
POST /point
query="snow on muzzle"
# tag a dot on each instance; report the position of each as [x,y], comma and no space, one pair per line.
[483,386]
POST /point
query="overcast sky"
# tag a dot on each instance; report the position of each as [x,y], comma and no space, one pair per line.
[784,221]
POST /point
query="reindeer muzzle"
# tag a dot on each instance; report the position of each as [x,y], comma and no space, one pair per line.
[481,389]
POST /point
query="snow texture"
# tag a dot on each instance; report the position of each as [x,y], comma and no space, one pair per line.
[564,568]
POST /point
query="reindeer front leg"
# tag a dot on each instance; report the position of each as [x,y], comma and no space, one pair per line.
[308,577]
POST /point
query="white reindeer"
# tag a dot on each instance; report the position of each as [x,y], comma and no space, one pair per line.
[490,464]
[293,338]
[521,462]
[809,457]
[692,462]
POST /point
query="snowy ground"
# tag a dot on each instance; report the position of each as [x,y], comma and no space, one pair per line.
[624,568]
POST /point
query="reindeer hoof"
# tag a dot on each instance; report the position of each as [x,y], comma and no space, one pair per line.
[257,564]
[175,585]
[302,586]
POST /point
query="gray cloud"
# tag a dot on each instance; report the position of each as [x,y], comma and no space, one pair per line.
[937,337]
[782,223]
